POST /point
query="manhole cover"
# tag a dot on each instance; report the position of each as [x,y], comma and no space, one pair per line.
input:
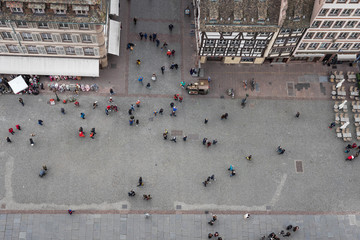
[299,166]
[178,206]
[193,136]
[290,89]
[124,206]
[176,133]
[113,65]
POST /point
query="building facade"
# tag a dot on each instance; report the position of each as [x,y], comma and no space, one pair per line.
[236,31]
[333,34]
[51,30]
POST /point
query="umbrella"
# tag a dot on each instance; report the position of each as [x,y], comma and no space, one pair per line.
[340,83]
[343,104]
[345,125]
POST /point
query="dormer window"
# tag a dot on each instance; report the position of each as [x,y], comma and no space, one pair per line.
[37,8]
[59,9]
[16,10]
[81,9]
[15,7]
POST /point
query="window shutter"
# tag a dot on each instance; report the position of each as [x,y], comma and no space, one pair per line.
[33,25]
[14,36]
[93,38]
[41,49]
[3,48]
[1,37]
[10,24]
[53,25]
[36,37]
[96,51]
[23,49]
[79,51]
[76,38]
[74,26]
[60,50]
[92,26]
[18,35]
[56,37]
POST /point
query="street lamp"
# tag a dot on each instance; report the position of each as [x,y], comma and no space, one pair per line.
[57,97]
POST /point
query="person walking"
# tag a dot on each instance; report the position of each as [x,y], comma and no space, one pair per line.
[135,21]
[165,136]
[210,235]
[204,141]
[111,91]
[168,53]
[138,62]
[81,134]
[157,42]
[70,211]
[31,142]
[40,122]
[8,140]
[138,103]
[208,144]
[130,111]
[137,122]
[171,27]
[185,138]
[173,139]
[155,112]
[206,121]
[106,111]
[11,131]
[82,115]
[297,115]
[148,86]
[150,37]
[173,53]
[92,135]
[141,35]
[154,35]
[249,157]
[145,36]
[162,69]
[296,228]
[141,80]
[246,216]
[93,130]
[21,101]
[161,111]
[214,142]
[289,227]
[132,107]
[80,129]
[18,127]
[140,182]
[131,193]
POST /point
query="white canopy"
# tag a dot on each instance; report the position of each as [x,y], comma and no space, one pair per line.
[346,57]
[114,7]
[18,84]
[49,66]
[114,37]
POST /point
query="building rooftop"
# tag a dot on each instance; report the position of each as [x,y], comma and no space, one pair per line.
[97,11]
[239,15]
[298,14]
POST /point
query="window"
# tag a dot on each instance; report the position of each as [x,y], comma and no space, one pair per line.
[309,35]
[70,50]
[46,36]
[209,42]
[313,45]
[327,24]
[83,26]
[342,35]
[6,35]
[292,40]
[26,36]
[350,24]
[335,46]
[81,12]
[21,24]
[235,42]
[257,50]
[207,50]
[263,34]
[275,50]
[222,42]
[357,12]
[320,35]
[341,1]
[280,41]
[246,50]
[346,46]
[288,49]
[249,42]
[261,42]
[316,24]
[63,25]
[38,10]
[16,10]
[226,33]
[90,51]
[324,45]
[356,46]
[354,1]
[303,45]
[334,12]
[66,37]
[86,38]
[285,31]
[346,12]
[2,23]
[42,25]
[250,34]
[232,50]
[297,31]
[354,35]
[323,12]
[338,24]
[50,49]
[13,49]
[32,49]
[60,11]
[331,35]
[329,1]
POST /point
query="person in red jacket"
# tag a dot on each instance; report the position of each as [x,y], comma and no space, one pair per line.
[81,134]
[18,127]
[11,131]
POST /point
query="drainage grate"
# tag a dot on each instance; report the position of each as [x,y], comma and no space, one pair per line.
[176,133]
[299,166]
[124,206]
[290,89]
[178,206]
[193,136]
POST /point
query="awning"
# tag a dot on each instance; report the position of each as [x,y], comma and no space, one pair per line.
[58,6]
[80,7]
[114,7]
[14,4]
[309,55]
[36,5]
[49,66]
[346,57]
[18,84]
[114,37]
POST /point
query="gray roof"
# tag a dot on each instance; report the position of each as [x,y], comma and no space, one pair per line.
[298,14]
[239,15]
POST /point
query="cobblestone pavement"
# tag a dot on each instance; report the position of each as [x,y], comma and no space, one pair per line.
[174,226]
